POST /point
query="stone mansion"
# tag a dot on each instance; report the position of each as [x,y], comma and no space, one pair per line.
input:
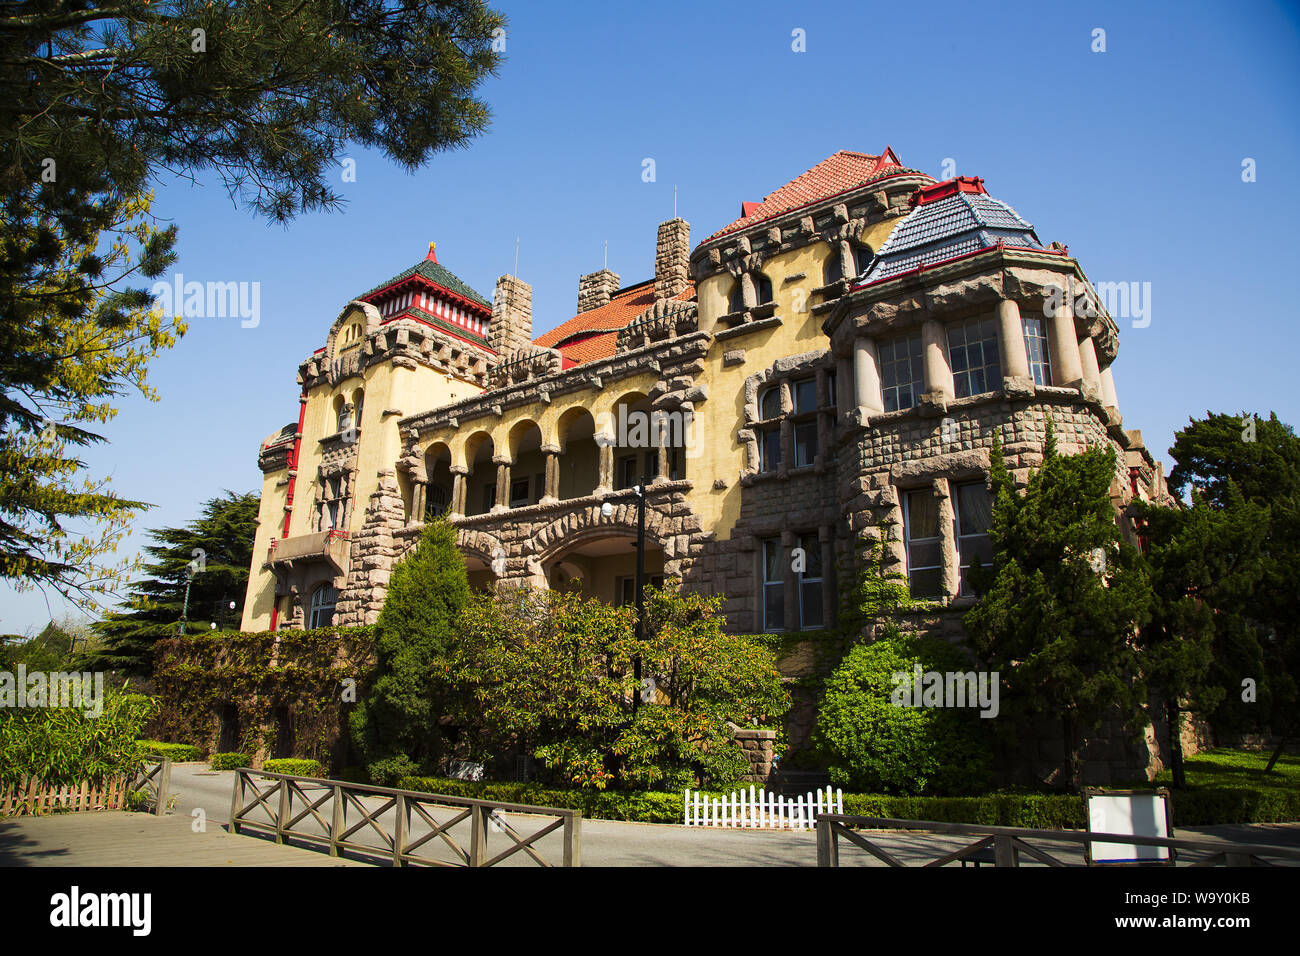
[836,360]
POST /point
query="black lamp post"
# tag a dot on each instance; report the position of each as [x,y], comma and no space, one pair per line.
[606,509]
[185,608]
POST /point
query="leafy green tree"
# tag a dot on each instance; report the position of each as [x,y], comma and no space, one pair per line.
[212,554]
[1059,631]
[873,744]
[396,725]
[1242,474]
[875,594]
[103,96]
[551,674]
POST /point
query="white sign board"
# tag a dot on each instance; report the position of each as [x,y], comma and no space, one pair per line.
[1136,814]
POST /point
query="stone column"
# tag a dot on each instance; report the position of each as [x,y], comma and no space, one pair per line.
[866,379]
[1011,340]
[826,538]
[845,389]
[458,489]
[848,268]
[789,540]
[661,438]
[1088,366]
[551,483]
[419,491]
[948,537]
[748,294]
[1108,396]
[605,480]
[938,374]
[1067,366]
[503,484]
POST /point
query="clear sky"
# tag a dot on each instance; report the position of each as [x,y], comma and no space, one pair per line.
[1132,157]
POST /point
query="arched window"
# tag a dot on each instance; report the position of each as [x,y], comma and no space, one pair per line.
[763,286]
[357,398]
[862,256]
[832,271]
[322,606]
[769,405]
[737,301]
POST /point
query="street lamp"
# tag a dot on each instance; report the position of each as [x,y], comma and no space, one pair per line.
[185,608]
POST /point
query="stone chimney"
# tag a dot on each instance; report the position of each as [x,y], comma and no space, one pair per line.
[512,316]
[672,258]
[595,289]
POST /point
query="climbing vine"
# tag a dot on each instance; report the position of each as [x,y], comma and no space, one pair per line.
[316,674]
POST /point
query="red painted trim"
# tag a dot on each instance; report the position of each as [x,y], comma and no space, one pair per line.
[420,282]
[416,318]
[293,462]
[950,187]
[275,613]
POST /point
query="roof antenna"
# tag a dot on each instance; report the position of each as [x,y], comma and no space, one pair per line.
[674,200]
[516,257]
[606,265]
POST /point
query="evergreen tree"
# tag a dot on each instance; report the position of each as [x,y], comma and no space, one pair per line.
[396,725]
[1059,607]
[1239,542]
[212,553]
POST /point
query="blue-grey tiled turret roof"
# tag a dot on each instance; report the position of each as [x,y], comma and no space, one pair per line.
[942,229]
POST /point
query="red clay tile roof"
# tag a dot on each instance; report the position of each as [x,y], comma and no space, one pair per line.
[838,173]
[593,334]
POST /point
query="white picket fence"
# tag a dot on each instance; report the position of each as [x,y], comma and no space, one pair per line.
[758,808]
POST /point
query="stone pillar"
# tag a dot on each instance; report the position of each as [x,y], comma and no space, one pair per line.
[503,484]
[661,439]
[419,491]
[848,268]
[1067,366]
[789,541]
[596,289]
[1108,396]
[938,374]
[1088,366]
[458,489]
[826,538]
[866,379]
[511,327]
[551,483]
[845,387]
[605,480]
[672,258]
[748,294]
[947,537]
[1011,340]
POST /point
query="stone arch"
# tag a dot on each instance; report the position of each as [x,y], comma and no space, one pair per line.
[518,434]
[356,309]
[586,523]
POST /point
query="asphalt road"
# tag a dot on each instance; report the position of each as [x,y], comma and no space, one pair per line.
[615,843]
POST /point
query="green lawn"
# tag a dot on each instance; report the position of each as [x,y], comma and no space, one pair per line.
[1235,769]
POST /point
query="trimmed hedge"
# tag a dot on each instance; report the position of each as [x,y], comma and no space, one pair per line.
[294,766]
[1191,808]
[178,752]
[230,761]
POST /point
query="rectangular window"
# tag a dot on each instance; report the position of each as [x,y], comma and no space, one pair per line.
[1040,360]
[902,372]
[773,585]
[924,549]
[810,583]
[831,399]
[805,442]
[805,396]
[676,463]
[973,356]
[519,493]
[625,588]
[769,448]
[973,518]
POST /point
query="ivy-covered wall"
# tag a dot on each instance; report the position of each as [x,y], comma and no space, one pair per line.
[265,694]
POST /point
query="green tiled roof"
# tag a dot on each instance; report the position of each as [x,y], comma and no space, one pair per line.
[434,273]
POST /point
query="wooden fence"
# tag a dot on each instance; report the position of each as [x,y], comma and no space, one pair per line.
[31,796]
[751,808]
[317,811]
[1009,843]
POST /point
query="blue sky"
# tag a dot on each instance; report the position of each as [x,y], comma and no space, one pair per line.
[1132,157]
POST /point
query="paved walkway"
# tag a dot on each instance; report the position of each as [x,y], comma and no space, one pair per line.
[130,839]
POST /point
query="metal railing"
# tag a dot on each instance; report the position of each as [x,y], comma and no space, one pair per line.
[316,811]
[1008,843]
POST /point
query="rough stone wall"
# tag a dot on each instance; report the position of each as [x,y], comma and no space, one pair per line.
[511,327]
[373,553]
[595,289]
[672,258]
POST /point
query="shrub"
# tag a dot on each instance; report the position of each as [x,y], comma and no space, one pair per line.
[872,745]
[388,770]
[177,752]
[61,746]
[230,761]
[294,766]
